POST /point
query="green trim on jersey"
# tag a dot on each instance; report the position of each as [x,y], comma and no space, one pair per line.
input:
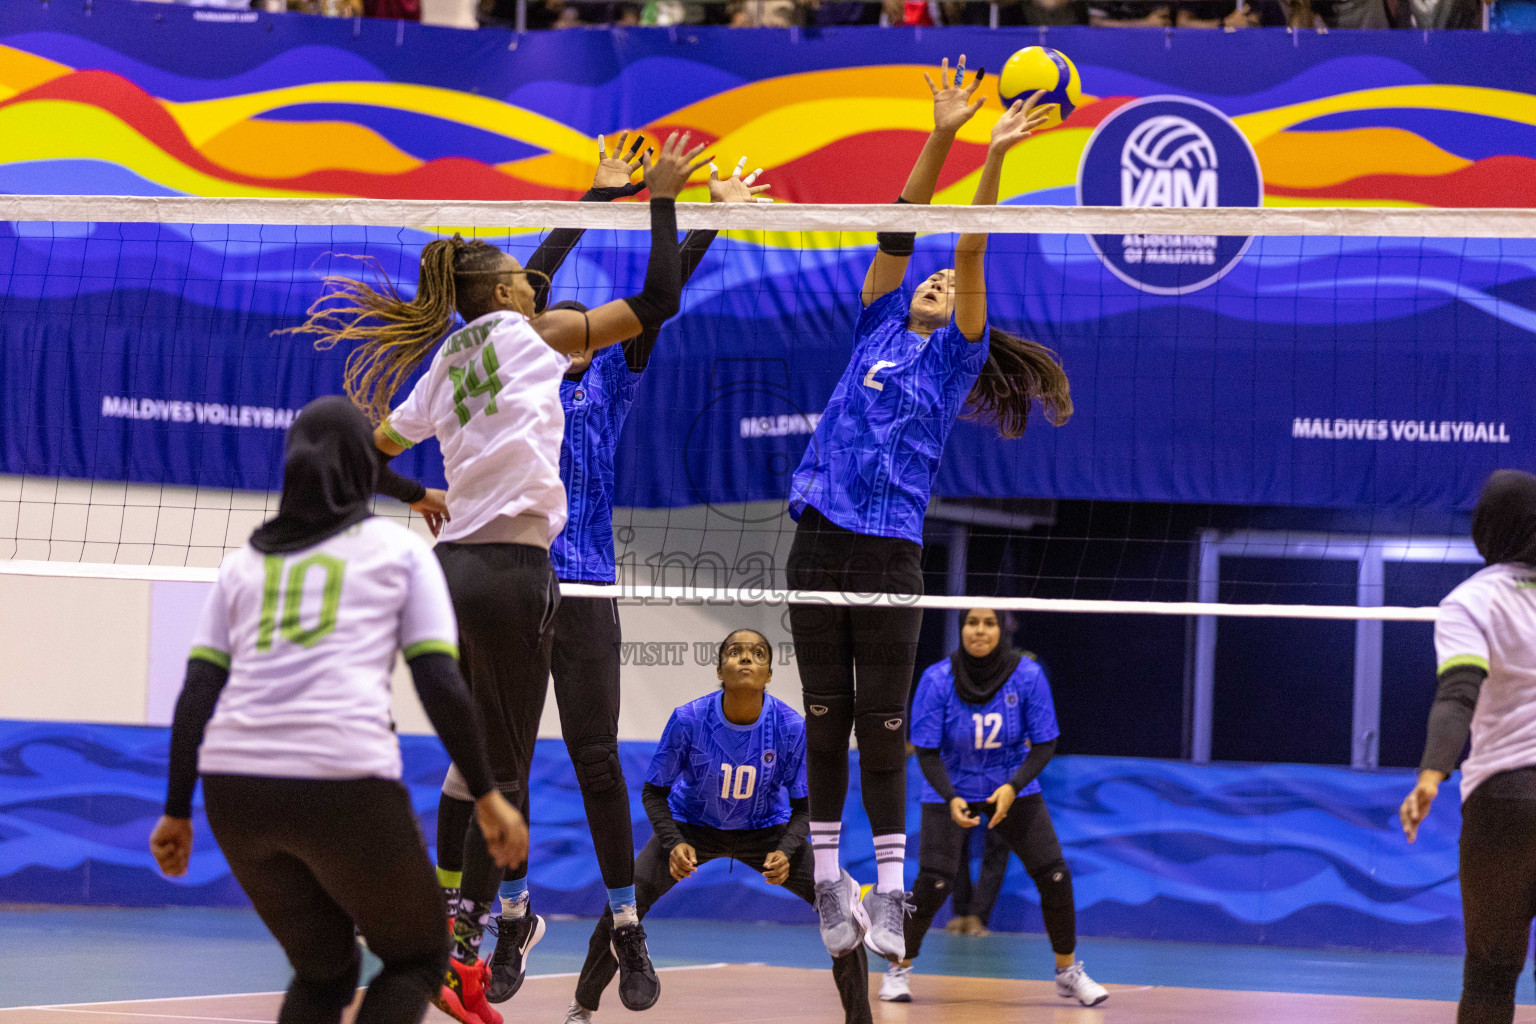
[211,655]
[431,647]
[1462,661]
[394,435]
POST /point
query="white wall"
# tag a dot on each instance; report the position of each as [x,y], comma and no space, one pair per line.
[97,650]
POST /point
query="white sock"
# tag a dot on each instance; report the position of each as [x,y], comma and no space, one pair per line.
[890,860]
[515,909]
[825,836]
[626,914]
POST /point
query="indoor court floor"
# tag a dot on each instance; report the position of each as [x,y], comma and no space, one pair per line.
[219,967]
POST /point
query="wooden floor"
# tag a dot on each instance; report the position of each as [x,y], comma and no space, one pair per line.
[783,995]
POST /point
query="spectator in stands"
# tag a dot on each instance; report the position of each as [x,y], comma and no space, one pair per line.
[765,14]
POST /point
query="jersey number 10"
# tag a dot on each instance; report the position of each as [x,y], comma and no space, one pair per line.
[291,595]
[744,779]
[988,740]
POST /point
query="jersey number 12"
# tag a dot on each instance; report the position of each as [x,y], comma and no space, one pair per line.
[987,740]
[744,779]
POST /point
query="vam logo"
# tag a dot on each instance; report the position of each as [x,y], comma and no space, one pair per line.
[1169,151]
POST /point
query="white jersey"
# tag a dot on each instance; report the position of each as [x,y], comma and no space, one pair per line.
[492,399]
[309,639]
[1489,622]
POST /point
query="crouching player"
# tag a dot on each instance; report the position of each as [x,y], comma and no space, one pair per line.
[728,780]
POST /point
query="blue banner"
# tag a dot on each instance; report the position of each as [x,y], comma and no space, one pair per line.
[1318,372]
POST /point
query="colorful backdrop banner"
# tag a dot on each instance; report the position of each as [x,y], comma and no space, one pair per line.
[1324,372]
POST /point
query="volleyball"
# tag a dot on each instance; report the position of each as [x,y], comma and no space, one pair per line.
[1037,68]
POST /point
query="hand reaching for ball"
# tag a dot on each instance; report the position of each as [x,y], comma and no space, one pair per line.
[952,103]
[736,189]
[1017,123]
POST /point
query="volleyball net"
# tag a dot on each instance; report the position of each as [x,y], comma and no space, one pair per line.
[1278,412]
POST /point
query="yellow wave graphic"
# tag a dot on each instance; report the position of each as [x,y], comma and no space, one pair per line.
[1500,103]
[1320,159]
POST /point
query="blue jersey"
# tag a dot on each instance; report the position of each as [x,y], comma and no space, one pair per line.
[730,776]
[872,459]
[982,745]
[595,407]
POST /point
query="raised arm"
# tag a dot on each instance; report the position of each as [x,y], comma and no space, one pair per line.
[735,189]
[952,108]
[568,330]
[609,183]
[1016,125]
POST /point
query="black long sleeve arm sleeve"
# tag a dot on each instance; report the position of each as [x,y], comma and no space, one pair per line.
[199,696]
[659,299]
[559,243]
[396,485]
[934,771]
[445,698]
[637,351]
[798,826]
[1039,756]
[1450,718]
[654,798]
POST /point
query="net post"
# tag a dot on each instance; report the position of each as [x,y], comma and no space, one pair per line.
[1366,728]
[1203,690]
[958,548]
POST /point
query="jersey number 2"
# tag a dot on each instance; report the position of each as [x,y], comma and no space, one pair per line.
[291,597]
[987,740]
[744,779]
[467,384]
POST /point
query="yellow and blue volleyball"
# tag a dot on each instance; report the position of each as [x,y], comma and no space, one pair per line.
[1037,68]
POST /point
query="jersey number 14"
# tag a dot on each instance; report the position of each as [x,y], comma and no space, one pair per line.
[467,384]
[738,782]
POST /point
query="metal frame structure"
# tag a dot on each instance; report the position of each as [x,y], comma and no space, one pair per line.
[1370,553]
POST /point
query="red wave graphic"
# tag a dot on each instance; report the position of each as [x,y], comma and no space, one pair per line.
[1091,114]
[1492,181]
[867,168]
[444,178]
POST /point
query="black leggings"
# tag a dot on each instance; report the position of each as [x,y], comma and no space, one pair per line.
[1498,893]
[1028,830]
[653,880]
[317,857]
[585,666]
[855,666]
[978,900]
[505,597]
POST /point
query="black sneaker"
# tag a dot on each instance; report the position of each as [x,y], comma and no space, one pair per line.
[509,961]
[639,988]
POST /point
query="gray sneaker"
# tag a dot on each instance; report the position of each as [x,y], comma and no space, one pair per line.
[887,925]
[843,920]
[578,1014]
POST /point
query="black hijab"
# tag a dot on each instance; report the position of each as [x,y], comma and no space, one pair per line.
[329,472]
[1504,521]
[977,680]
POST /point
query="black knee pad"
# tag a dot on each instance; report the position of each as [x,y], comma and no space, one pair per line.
[931,881]
[828,721]
[882,741]
[597,767]
[1055,884]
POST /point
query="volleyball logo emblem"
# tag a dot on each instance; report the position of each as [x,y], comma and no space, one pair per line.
[1168,161]
[1169,151]
[579,396]
[1012,700]
[768,757]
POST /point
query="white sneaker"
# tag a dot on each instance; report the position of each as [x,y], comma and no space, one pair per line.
[895,987]
[843,920]
[887,913]
[1073,983]
[577,1014]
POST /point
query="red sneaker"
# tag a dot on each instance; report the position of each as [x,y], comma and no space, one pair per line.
[462,995]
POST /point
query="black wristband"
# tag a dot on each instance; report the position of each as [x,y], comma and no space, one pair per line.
[897,243]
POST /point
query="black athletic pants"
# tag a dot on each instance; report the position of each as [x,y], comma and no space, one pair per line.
[855,666]
[979,899]
[1498,893]
[653,879]
[505,597]
[317,856]
[1028,831]
[585,666]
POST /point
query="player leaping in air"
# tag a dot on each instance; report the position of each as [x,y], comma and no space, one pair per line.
[860,495]
[491,397]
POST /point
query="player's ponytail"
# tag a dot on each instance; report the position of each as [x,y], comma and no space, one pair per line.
[393,336]
[1019,373]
